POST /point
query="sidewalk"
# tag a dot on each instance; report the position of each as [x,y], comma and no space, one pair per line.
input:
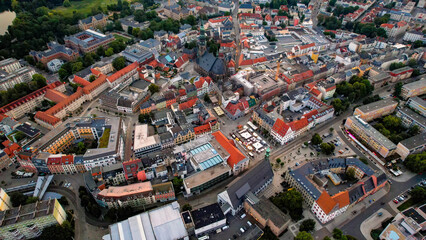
[373,222]
[359,207]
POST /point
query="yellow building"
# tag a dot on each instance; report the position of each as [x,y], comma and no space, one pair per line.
[5,202]
[375,110]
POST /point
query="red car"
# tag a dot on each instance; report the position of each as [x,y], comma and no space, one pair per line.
[395,201]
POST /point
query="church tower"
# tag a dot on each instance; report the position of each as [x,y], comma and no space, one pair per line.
[202,41]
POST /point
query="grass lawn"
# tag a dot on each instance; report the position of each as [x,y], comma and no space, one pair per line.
[103,141]
[83,6]
[120,37]
[406,205]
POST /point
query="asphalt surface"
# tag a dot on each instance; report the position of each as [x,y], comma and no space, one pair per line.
[353,227]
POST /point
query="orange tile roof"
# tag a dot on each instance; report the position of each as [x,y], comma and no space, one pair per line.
[341,198]
[325,202]
[280,127]
[29,97]
[386,25]
[188,104]
[55,96]
[122,72]
[298,124]
[79,80]
[228,144]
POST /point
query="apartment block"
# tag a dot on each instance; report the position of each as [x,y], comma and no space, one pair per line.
[418,105]
[375,110]
[414,89]
[411,145]
[373,138]
[28,221]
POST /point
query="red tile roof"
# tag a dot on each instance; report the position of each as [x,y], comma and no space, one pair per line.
[83,82]
[67,159]
[386,25]
[280,127]
[122,72]
[307,46]
[228,144]
[268,18]
[199,84]
[325,202]
[298,124]
[10,150]
[188,104]
[29,97]
[228,45]
[55,96]
[182,60]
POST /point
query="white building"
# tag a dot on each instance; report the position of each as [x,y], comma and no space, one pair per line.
[413,36]
[55,65]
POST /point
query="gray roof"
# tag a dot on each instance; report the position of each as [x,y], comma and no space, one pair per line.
[414,142]
[150,43]
[371,131]
[141,84]
[415,85]
[250,181]
[54,48]
[207,215]
[374,106]
[210,63]
[93,39]
[419,119]
[89,19]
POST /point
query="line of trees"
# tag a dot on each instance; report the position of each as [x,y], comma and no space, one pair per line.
[22,89]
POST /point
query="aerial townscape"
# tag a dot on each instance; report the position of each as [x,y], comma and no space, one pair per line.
[213,119]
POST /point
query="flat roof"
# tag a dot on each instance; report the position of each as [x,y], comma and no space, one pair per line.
[415,116]
[164,223]
[207,215]
[415,85]
[374,106]
[414,142]
[371,131]
[135,188]
[204,176]
[142,139]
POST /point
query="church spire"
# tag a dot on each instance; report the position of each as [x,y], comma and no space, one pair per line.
[202,40]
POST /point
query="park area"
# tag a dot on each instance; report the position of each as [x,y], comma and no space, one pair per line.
[84,7]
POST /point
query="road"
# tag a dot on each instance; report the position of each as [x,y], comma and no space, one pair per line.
[353,227]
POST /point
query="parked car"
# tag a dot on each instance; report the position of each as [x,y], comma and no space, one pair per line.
[395,201]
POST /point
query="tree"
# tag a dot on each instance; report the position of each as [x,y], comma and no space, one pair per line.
[418,194]
[326,238]
[18,199]
[412,62]
[381,33]
[398,89]
[177,184]
[153,88]
[307,225]
[392,122]
[327,148]
[66,3]
[109,52]
[40,80]
[364,160]
[92,78]
[207,98]
[63,201]
[130,30]
[414,130]
[416,162]
[227,14]
[396,65]
[76,67]
[331,129]
[54,232]
[337,233]
[303,236]
[418,43]
[316,139]
[350,174]
[119,63]
[186,207]
[100,51]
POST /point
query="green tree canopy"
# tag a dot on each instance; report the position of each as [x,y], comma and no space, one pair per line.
[119,63]
[303,236]
[307,225]
[316,139]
